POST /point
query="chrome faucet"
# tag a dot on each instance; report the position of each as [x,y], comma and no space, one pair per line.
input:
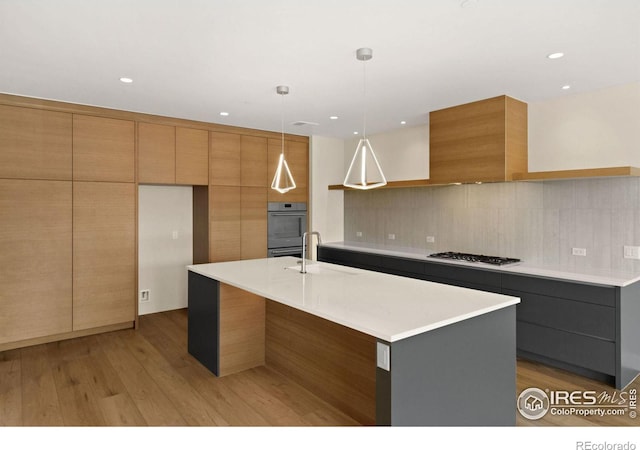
[303,266]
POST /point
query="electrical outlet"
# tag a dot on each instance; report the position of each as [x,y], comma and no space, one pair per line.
[631,252]
[145,295]
[391,236]
[431,239]
[174,234]
[579,251]
[358,233]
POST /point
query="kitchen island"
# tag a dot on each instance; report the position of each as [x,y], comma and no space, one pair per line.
[385,349]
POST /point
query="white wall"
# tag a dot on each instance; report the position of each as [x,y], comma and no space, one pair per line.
[327,207]
[403,154]
[163,210]
[594,129]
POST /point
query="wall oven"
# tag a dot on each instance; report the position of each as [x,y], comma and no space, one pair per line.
[286,222]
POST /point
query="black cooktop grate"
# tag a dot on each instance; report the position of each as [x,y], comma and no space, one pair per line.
[469,257]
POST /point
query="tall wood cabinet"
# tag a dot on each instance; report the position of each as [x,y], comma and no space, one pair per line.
[35,259]
[237,197]
[104,254]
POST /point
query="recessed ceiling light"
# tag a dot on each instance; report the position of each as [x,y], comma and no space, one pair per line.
[126,80]
[404,122]
[355,132]
[333,117]
[224,113]
[566,86]
[555,55]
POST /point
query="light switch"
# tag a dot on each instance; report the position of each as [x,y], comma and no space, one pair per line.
[383,356]
[174,234]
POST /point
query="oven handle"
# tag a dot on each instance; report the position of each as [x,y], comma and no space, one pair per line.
[292,213]
[277,252]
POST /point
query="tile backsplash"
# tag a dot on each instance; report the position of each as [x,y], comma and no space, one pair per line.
[538,222]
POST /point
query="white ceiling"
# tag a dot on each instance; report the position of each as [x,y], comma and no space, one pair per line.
[195,58]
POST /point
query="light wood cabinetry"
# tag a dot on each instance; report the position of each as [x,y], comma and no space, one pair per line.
[34,144]
[253,225]
[297,156]
[478,142]
[224,225]
[104,254]
[224,159]
[253,164]
[242,325]
[192,156]
[156,153]
[103,149]
[35,259]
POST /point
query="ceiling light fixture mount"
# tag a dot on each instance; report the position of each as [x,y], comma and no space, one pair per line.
[364,171]
[282,180]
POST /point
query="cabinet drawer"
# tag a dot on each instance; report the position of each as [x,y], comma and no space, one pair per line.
[591,293]
[463,276]
[568,315]
[583,351]
[349,258]
[401,266]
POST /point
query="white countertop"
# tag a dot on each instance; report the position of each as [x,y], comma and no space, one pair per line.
[603,277]
[388,307]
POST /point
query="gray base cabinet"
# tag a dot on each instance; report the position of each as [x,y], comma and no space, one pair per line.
[584,328]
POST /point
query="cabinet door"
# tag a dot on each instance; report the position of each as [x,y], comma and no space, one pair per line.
[253,222]
[104,252]
[156,153]
[103,149]
[253,155]
[34,144]
[192,156]
[224,159]
[224,229]
[35,259]
[297,156]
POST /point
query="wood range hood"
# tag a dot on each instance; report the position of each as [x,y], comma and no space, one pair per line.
[487,141]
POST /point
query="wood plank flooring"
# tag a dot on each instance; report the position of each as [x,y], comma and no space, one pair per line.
[146,377]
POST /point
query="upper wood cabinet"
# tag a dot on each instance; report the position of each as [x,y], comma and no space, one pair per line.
[172,155]
[35,259]
[192,156]
[477,142]
[104,254]
[253,166]
[224,159]
[103,149]
[297,156]
[156,153]
[35,144]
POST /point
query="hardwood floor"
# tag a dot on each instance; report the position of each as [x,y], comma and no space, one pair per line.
[146,377]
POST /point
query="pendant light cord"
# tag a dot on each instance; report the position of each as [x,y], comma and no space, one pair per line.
[364,99]
[282,123]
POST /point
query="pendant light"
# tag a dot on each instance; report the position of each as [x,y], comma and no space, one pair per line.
[282,180]
[364,171]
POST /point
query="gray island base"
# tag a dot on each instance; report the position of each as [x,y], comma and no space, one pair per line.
[457,368]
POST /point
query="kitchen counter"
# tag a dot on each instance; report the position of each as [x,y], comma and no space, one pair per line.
[603,277]
[385,349]
[387,307]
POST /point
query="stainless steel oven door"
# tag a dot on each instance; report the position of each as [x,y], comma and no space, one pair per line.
[285,228]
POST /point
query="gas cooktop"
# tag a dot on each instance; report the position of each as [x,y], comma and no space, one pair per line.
[468,257]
